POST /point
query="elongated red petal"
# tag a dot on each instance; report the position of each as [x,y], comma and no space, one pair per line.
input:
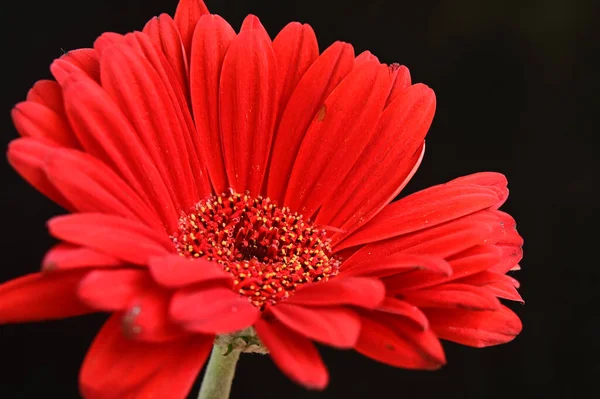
[162,135]
[334,326]
[463,296]
[336,137]
[296,48]
[314,87]
[442,241]
[210,42]
[212,310]
[125,239]
[66,256]
[111,290]
[471,261]
[357,291]
[48,93]
[116,366]
[95,118]
[187,14]
[486,179]
[398,263]
[475,328]
[91,186]
[140,42]
[176,378]
[164,34]
[147,317]
[41,296]
[174,271]
[424,209]
[247,100]
[81,61]
[27,157]
[42,123]
[296,356]
[402,80]
[399,344]
[384,165]
[401,308]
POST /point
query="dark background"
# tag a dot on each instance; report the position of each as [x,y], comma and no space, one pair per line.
[516,83]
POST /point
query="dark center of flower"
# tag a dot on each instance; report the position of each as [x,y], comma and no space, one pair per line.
[270,251]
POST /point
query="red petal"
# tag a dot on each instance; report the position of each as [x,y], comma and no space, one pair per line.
[401,308]
[48,93]
[165,36]
[213,310]
[187,14]
[424,209]
[162,135]
[296,48]
[475,328]
[91,186]
[95,118]
[385,164]
[399,344]
[357,291]
[471,261]
[335,326]
[177,377]
[27,157]
[315,86]
[122,238]
[138,41]
[174,271]
[111,290]
[487,179]
[81,61]
[210,42]
[248,108]
[106,40]
[511,255]
[398,263]
[441,241]
[452,296]
[116,366]
[40,122]
[65,256]
[296,356]
[337,136]
[41,296]
[402,80]
[148,318]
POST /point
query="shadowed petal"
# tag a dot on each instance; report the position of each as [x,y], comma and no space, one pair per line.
[116,366]
[296,356]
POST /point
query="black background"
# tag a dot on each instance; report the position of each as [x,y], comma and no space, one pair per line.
[517,87]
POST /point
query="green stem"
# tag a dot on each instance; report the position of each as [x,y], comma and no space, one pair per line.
[218,377]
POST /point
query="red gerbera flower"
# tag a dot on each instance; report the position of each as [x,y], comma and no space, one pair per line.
[227,185]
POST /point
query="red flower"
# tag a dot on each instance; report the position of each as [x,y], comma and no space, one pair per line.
[219,182]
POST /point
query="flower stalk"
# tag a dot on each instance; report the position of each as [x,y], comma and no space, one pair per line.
[220,370]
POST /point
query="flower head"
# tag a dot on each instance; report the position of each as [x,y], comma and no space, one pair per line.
[235,187]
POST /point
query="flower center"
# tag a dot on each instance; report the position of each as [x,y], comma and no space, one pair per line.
[270,251]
